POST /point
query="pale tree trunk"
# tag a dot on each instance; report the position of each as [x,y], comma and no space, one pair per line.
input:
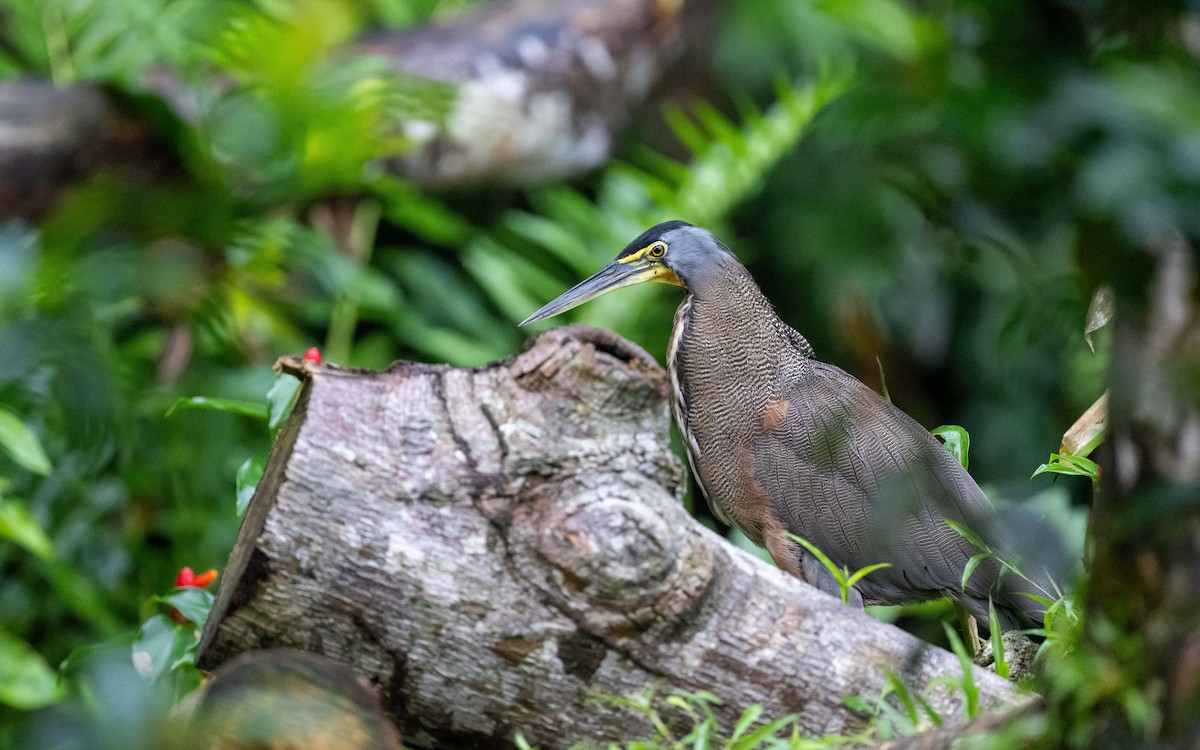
[498,547]
[543,89]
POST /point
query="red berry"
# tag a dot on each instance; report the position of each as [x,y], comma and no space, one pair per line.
[313,355]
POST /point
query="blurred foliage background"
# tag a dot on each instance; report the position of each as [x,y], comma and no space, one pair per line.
[930,188]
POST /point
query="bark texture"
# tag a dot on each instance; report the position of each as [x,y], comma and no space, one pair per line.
[496,548]
[543,88]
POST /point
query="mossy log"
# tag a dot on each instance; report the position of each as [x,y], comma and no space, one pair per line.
[500,548]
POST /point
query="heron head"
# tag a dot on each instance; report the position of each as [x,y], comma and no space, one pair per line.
[673,252]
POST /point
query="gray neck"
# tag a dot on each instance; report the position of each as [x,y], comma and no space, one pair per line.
[718,278]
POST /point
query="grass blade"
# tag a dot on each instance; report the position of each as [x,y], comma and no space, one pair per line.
[862,572]
[969,688]
[231,406]
[971,565]
[997,641]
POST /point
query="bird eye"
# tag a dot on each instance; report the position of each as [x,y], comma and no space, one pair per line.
[657,250]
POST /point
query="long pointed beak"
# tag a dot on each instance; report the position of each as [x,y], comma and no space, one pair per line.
[613,276]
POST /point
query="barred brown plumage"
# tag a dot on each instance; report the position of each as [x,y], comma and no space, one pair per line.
[781,443]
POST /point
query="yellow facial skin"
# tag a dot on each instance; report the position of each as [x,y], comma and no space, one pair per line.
[654,270]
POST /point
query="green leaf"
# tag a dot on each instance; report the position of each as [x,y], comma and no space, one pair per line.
[193,603]
[957,441]
[971,565]
[930,711]
[502,276]
[861,572]
[248,476]
[767,731]
[705,697]
[159,644]
[17,526]
[969,688]
[886,25]
[680,703]
[702,735]
[966,533]
[521,743]
[748,717]
[1070,464]
[685,129]
[553,237]
[838,574]
[720,127]
[897,722]
[857,704]
[425,216]
[727,170]
[76,591]
[901,691]
[821,556]
[19,442]
[281,398]
[997,639]
[26,681]
[1045,601]
[231,406]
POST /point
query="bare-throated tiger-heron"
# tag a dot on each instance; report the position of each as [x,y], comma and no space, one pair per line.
[781,443]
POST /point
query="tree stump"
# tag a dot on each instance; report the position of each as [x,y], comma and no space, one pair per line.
[500,548]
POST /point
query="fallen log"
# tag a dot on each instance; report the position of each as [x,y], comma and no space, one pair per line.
[544,89]
[496,548]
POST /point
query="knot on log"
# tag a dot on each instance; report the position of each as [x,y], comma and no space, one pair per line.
[615,558]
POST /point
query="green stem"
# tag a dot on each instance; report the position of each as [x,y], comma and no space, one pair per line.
[58,48]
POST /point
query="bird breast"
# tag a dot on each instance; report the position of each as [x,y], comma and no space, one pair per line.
[724,374]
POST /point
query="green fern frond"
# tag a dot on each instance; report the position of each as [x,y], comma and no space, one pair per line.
[736,159]
[303,115]
[109,40]
[729,162]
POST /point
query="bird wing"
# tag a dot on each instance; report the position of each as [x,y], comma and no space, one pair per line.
[865,483]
